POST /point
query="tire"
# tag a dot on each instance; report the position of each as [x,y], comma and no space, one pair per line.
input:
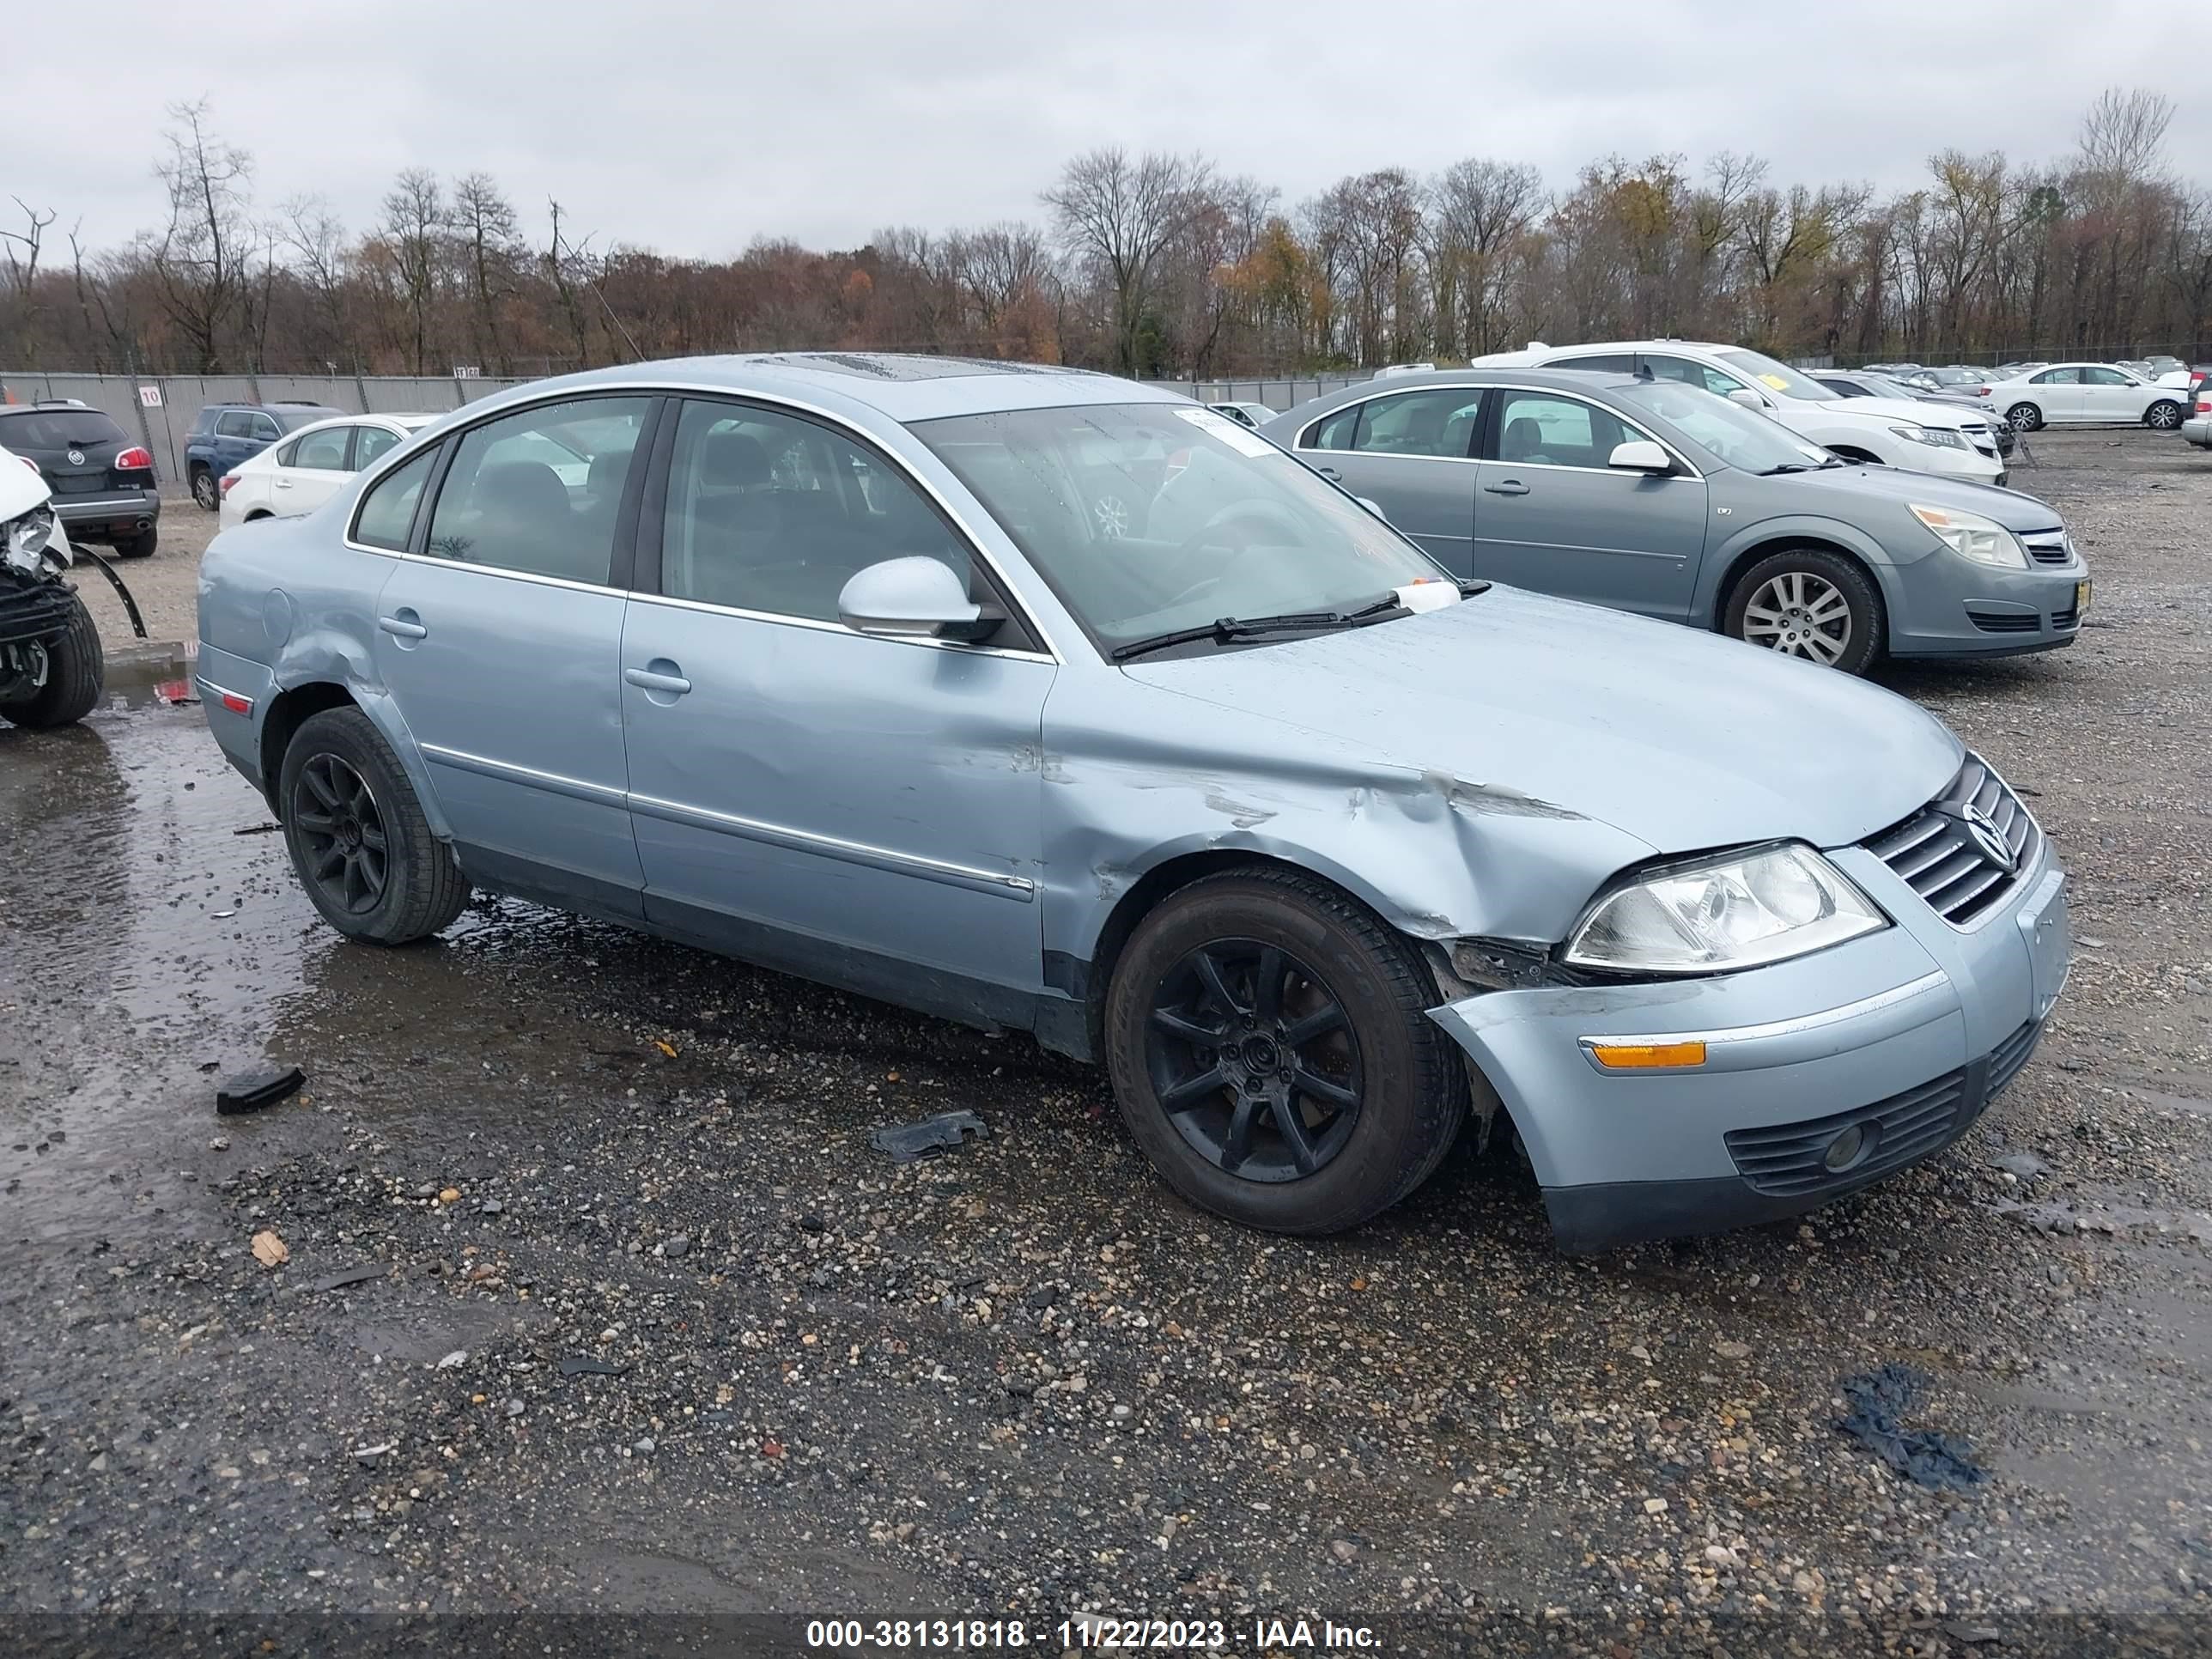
[2164,415]
[140,546]
[2024,417]
[204,490]
[76,669]
[1765,607]
[1406,1091]
[339,792]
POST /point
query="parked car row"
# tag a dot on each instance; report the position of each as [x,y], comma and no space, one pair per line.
[1320,843]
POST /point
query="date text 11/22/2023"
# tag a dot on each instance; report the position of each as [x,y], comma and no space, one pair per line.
[1083,1630]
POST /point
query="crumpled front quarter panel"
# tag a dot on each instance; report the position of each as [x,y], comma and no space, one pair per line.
[1135,776]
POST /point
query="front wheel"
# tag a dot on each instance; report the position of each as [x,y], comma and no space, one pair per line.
[1269,1050]
[358,837]
[1811,604]
[2024,417]
[204,490]
[2163,416]
[66,675]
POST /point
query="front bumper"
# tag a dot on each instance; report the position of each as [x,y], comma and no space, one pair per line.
[1947,606]
[110,513]
[2199,430]
[1903,1035]
[1969,464]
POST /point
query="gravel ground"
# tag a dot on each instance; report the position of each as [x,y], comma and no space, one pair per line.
[599,1305]
[166,586]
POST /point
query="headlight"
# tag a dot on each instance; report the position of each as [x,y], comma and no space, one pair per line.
[1942,437]
[1740,911]
[1972,536]
[26,537]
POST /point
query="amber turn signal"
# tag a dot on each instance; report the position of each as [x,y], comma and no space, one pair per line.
[1647,1056]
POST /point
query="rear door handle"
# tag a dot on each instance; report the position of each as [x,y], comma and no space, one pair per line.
[404,626]
[649,679]
[1330,473]
[1507,487]
[283,483]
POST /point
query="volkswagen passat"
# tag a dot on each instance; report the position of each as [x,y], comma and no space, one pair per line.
[830,663]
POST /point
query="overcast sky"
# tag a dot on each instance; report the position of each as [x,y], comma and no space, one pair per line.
[697,127]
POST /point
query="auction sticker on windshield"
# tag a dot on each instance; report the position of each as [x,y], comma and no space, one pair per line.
[1237,437]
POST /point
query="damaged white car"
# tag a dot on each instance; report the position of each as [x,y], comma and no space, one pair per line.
[50,665]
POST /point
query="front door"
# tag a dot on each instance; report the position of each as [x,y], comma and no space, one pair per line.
[860,809]
[499,644]
[2107,395]
[1552,515]
[1412,454]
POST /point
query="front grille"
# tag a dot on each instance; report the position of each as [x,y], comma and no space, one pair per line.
[1788,1159]
[2008,1056]
[2048,546]
[1937,856]
[2006,622]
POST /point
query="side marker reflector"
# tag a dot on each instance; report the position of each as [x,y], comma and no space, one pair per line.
[1648,1056]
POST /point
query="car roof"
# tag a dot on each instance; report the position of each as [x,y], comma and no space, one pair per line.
[1562,380]
[900,386]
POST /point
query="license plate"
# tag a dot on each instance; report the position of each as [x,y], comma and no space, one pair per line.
[2081,598]
[2043,923]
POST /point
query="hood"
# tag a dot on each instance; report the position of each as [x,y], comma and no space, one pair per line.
[21,489]
[1542,707]
[2017,512]
[1895,411]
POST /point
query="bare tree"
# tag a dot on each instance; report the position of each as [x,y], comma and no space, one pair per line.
[1481,208]
[316,240]
[19,252]
[414,226]
[2124,134]
[1121,215]
[488,233]
[201,257]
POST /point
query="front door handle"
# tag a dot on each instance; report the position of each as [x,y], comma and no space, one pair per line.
[662,675]
[404,626]
[1507,487]
[1330,473]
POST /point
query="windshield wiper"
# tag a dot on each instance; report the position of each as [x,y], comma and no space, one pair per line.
[1803,466]
[1222,630]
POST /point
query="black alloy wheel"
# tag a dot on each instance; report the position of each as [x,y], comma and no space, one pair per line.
[346,850]
[1254,1059]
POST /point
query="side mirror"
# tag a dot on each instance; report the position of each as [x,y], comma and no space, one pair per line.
[1374,507]
[1640,455]
[1748,398]
[916,598]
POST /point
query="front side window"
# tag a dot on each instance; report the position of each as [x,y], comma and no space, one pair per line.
[325,450]
[1437,420]
[1541,428]
[537,491]
[1210,520]
[387,512]
[771,513]
[372,442]
[265,431]
[2106,377]
[1732,434]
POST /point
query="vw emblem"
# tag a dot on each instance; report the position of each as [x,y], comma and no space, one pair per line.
[76,458]
[1989,841]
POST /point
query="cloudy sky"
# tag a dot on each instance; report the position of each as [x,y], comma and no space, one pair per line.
[697,127]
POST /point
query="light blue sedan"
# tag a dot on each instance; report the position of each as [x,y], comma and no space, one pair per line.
[835,663]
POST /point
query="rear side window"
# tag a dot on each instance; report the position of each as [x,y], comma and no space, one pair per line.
[326,451]
[58,428]
[769,513]
[206,422]
[1610,362]
[1337,430]
[2059,377]
[372,442]
[1690,374]
[387,512]
[537,491]
[1439,421]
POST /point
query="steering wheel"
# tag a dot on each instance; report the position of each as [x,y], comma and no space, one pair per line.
[1263,515]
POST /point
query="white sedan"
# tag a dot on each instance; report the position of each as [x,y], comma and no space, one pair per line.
[2086,394]
[299,475]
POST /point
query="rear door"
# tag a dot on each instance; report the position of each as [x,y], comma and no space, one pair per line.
[498,635]
[2058,393]
[310,469]
[1411,453]
[1552,515]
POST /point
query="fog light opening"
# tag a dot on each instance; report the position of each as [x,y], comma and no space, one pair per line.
[1849,1149]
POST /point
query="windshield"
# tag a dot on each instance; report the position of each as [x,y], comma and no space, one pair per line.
[1889,386]
[1148,517]
[1776,376]
[1741,437]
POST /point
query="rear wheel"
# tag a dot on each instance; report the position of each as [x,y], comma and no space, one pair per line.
[358,837]
[204,490]
[2163,416]
[2024,417]
[1270,1050]
[68,671]
[1809,602]
[140,546]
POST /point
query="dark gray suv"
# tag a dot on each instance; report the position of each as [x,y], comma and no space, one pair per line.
[1656,496]
[101,478]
